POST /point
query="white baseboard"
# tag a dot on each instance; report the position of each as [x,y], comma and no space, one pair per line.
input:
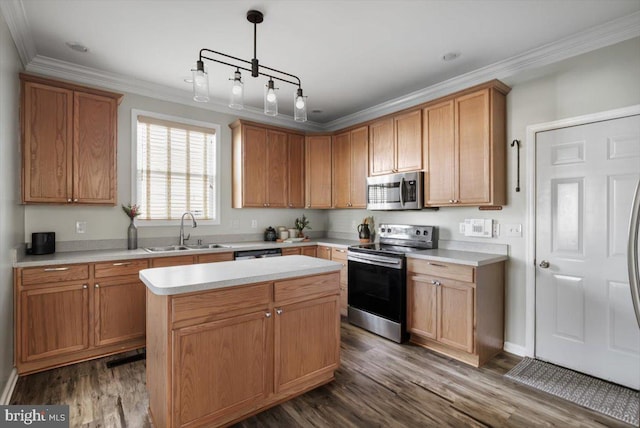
[5,398]
[515,349]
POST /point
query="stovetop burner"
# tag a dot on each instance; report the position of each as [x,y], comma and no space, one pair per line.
[398,240]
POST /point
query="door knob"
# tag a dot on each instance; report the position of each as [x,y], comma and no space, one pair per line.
[544,264]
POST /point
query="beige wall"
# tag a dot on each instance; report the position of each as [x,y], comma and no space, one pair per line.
[597,81]
[11,212]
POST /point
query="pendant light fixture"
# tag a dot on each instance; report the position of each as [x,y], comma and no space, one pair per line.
[236,99]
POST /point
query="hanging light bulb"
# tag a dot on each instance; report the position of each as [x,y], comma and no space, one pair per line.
[236,100]
[270,100]
[200,83]
[299,106]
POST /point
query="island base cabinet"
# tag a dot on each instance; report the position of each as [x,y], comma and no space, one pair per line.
[221,368]
[214,364]
[307,342]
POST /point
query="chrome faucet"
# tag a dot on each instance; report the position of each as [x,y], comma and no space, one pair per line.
[193,225]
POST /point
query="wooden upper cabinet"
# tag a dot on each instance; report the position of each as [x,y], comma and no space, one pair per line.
[395,144]
[265,160]
[318,171]
[296,171]
[69,142]
[465,144]
[350,156]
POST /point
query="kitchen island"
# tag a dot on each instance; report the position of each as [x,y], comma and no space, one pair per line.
[230,339]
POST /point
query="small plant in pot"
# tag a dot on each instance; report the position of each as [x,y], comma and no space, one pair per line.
[302,224]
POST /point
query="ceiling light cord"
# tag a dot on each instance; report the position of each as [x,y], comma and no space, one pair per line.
[201,88]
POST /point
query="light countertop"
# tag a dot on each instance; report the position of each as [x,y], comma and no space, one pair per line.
[93,256]
[208,276]
[469,258]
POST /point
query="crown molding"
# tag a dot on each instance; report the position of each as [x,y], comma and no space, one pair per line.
[597,37]
[16,20]
[606,34]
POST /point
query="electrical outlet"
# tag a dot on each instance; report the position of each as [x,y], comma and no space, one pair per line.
[254,224]
[514,230]
[496,229]
[81,226]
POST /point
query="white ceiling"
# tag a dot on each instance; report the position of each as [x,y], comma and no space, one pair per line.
[351,55]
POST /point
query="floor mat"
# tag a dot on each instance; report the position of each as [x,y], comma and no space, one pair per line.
[610,399]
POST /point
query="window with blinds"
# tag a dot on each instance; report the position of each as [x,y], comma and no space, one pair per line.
[176,170]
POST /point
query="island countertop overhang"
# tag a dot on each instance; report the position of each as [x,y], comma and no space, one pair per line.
[175,280]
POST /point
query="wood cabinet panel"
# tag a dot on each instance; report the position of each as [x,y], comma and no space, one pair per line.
[54,321]
[408,138]
[324,252]
[254,190]
[350,168]
[340,255]
[119,310]
[69,140]
[472,135]
[307,341]
[215,257]
[305,287]
[309,251]
[47,133]
[296,171]
[171,261]
[233,376]
[318,171]
[381,147]
[118,268]
[291,251]
[359,167]
[277,167]
[440,156]
[94,149]
[51,274]
[341,159]
[455,314]
[441,269]
[422,302]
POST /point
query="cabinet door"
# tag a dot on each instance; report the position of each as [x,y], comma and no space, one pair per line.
[455,314]
[473,148]
[254,164]
[324,252]
[340,255]
[408,138]
[318,171]
[94,149]
[309,251]
[421,306]
[296,171]
[307,342]
[341,156]
[440,164]
[381,147]
[359,167]
[220,368]
[277,156]
[291,251]
[47,127]
[119,310]
[54,321]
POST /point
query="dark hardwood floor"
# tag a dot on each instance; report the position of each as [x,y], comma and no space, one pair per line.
[379,384]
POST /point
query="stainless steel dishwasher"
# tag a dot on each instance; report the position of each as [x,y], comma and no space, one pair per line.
[257,254]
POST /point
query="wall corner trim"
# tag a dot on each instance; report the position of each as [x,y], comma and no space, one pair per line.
[7,392]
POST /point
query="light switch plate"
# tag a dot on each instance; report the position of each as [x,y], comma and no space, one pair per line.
[81,226]
[514,229]
[254,224]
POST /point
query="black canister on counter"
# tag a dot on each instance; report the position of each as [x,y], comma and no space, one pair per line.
[270,234]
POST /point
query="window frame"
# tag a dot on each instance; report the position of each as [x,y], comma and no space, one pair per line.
[134,165]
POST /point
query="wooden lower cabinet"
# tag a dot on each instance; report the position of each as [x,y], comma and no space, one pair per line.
[324,252]
[71,313]
[456,310]
[309,251]
[291,251]
[339,255]
[255,346]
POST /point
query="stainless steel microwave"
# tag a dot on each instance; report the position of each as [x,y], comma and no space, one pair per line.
[401,191]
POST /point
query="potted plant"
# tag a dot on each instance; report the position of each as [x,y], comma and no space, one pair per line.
[132,211]
[301,224]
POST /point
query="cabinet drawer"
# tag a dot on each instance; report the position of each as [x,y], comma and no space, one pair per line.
[172,261]
[46,274]
[215,257]
[441,269]
[228,300]
[338,253]
[307,287]
[291,251]
[119,268]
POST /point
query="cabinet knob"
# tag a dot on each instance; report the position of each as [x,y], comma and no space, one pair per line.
[69,200]
[75,200]
[455,201]
[279,311]
[450,201]
[97,285]
[84,286]
[436,283]
[267,314]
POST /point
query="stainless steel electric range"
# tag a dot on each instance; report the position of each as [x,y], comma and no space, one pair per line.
[377,295]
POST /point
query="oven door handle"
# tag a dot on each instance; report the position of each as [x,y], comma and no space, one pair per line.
[376,261]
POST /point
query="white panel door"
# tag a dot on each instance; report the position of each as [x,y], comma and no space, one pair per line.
[586,177]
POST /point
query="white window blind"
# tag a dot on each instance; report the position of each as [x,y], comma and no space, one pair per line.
[175,170]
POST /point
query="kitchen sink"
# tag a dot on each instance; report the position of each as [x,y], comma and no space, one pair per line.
[171,248]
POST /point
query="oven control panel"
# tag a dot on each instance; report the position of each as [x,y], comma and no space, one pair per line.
[419,236]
